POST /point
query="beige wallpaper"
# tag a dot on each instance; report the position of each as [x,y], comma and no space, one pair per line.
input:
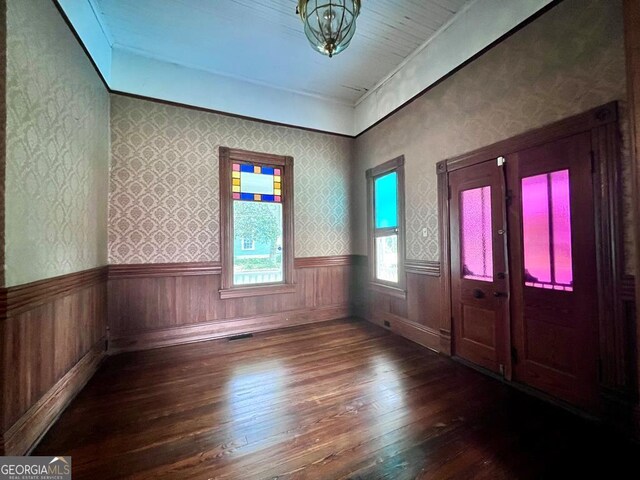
[569,60]
[57,149]
[164,194]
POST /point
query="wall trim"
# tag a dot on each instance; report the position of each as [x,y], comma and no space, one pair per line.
[25,434]
[422,267]
[20,298]
[329,261]
[225,328]
[420,334]
[181,269]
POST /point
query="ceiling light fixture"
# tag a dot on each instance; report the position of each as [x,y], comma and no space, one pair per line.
[329,24]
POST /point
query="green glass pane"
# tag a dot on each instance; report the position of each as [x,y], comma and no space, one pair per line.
[386,200]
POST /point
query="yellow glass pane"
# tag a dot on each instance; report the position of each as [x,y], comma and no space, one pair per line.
[256,169]
[235,188]
[276,185]
[235,174]
[277,191]
[257,198]
[236,181]
[276,178]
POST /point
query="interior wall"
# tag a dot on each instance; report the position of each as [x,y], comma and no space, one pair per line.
[164,196]
[569,60]
[53,320]
[57,159]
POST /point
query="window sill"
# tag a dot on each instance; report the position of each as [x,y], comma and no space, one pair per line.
[388,290]
[256,291]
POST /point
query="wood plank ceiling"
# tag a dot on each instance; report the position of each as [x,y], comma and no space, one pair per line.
[262,41]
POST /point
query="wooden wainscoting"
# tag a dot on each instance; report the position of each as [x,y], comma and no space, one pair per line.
[155,305]
[416,317]
[53,339]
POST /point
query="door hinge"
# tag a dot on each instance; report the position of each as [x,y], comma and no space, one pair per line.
[514,355]
[501,161]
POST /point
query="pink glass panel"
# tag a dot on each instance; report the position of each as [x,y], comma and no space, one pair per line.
[236,167]
[546,222]
[476,238]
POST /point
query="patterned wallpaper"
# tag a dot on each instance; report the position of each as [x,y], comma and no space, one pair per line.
[164,198]
[569,60]
[57,149]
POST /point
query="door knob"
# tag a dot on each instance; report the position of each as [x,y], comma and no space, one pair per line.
[500,294]
[477,293]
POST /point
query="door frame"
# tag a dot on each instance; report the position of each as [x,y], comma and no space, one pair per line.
[616,365]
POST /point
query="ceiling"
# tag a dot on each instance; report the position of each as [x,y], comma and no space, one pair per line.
[262,41]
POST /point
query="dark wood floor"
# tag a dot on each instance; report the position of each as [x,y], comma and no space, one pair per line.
[343,399]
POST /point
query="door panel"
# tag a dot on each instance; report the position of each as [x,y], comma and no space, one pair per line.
[478,266]
[553,269]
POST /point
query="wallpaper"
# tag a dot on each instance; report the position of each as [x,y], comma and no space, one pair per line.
[569,60]
[57,149]
[164,195]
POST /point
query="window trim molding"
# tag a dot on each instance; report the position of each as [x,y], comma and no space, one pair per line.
[394,289]
[227,289]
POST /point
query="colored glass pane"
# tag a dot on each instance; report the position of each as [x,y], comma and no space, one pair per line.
[546,231]
[236,167]
[476,237]
[386,201]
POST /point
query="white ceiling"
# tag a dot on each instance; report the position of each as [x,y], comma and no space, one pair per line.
[262,41]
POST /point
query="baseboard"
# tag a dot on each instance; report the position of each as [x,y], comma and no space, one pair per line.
[25,434]
[420,334]
[225,328]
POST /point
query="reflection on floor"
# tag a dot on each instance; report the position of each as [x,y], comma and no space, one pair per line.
[343,399]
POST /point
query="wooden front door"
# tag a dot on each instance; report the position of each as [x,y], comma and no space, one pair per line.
[523,268]
[478,267]
[553,269]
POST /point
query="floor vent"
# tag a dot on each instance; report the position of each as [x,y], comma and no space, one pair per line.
[240,337]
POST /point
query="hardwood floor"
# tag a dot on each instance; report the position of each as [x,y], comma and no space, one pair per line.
[343,399]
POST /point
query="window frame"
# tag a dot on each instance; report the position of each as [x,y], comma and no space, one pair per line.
[391,288]
[227,288]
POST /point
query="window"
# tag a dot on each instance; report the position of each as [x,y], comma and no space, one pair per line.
[256,223]
[477,248]
[248,244]
[546,230]
[385,185]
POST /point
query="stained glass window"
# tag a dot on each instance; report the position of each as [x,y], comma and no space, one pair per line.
[476,237]
[256,183]
[386,200]
[546,225]
[257,224]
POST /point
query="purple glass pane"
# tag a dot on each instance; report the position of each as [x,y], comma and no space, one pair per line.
[561,227]
[535,226]
[546,222]
[476,238]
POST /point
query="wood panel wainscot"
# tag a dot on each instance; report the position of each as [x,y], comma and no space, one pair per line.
[53,339]
[155,305]
[416,317]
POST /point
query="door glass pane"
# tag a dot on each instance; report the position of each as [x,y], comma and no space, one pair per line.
[476,238]
[259,226]
[546,225]
[386,200]
[387,258]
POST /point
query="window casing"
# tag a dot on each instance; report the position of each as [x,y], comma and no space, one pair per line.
[386,227]
[256,217]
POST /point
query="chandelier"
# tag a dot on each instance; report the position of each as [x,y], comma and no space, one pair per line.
[329,24]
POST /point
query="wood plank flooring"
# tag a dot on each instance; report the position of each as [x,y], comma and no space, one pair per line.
[343,399]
